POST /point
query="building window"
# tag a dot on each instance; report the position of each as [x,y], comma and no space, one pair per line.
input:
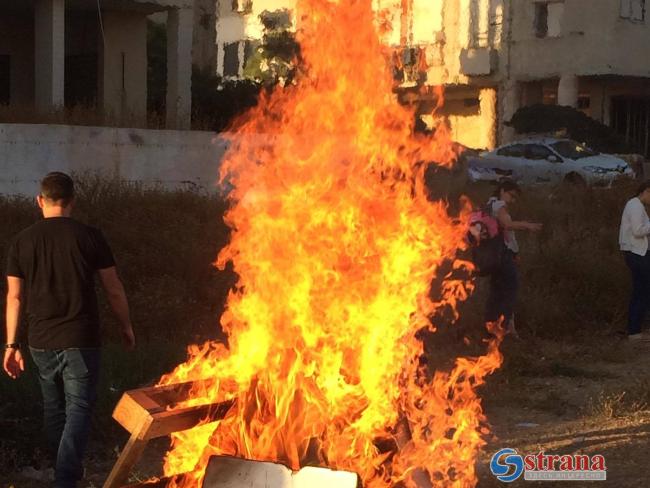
[231,59]
[548,19]
[242,6]
[81,80]
[633,10]
[630,118]
[5,79]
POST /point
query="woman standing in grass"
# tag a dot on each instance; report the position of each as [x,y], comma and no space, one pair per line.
[633,241]
[504,283]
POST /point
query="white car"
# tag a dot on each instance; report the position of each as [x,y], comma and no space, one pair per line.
[547,160]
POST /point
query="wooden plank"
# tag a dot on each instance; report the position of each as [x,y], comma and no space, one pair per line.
[146,413]
[136,405]
[129,413]
[144,399]
[164,423]
[172,395]
[179,479]
[129,457]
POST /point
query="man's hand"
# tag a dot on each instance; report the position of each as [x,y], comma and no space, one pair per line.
[13,363]
[117,299]
[128,338]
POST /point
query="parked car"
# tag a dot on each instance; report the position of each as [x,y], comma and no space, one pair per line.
[547,160]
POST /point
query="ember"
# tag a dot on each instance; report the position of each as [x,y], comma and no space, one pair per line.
[335,244]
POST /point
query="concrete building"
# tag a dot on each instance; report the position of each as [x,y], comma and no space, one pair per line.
[588,54]
[239,30]
[495,56]
[66,53]
[204,34]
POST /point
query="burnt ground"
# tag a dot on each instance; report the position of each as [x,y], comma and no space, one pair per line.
[583,397]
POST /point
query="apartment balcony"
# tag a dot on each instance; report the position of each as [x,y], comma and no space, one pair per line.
[478,61]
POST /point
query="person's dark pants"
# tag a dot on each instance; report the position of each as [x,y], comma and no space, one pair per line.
[640,270]
[68,380]
[504,284]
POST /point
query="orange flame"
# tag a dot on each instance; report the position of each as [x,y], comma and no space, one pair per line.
[336,244]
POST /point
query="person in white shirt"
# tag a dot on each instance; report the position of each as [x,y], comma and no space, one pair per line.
[633,241]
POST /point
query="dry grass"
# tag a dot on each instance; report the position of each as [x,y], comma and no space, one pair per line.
[574,282]
[630,400]
[164,243]
[574,291]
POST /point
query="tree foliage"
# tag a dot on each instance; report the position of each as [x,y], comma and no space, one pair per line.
[554,118]
[274,60]
[216,102]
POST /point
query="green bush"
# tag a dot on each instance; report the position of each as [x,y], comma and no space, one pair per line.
[578,126]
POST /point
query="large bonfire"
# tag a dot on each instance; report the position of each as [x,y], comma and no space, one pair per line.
[335,244]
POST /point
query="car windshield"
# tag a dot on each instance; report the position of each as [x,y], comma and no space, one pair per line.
[572,150]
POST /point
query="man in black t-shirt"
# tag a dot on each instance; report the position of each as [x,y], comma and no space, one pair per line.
[51,267]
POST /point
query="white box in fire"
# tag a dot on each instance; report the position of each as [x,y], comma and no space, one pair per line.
[231,472]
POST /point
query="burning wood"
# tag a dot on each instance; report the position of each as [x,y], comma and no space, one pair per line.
[148,413]
[336,243]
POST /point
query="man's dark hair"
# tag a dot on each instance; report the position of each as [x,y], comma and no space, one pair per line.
[642,187]
[57,187]
[507,186]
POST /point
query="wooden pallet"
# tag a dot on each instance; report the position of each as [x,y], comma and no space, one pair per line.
[148,413]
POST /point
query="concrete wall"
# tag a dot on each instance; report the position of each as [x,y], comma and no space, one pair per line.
[17,40]
[121,88]
[171,158]
[123,84]
[469,130]
[204,52]
[593,39]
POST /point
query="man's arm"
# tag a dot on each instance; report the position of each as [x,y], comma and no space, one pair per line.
[13,362]
[117,299]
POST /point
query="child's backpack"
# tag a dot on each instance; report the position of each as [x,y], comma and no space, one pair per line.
[486,241]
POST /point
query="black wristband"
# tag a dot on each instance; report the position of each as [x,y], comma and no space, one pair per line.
[13,345]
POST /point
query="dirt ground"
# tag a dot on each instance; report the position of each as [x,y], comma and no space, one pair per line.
[591,397]
[574,399]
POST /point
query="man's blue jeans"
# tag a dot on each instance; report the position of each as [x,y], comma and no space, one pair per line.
[68,380]
[640,271]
